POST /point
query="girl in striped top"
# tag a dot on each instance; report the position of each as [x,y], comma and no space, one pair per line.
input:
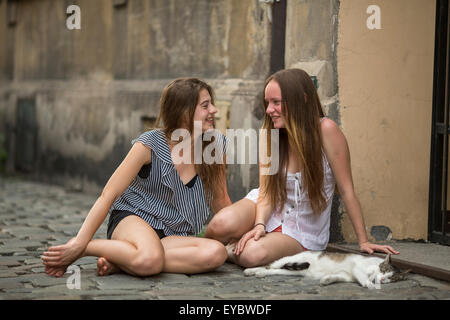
[157,205]
[290,212]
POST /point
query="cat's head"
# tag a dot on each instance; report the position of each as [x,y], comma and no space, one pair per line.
[389,272]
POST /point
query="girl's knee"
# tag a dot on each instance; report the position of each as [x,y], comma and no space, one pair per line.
[213,255]
[148,263]
[253,256]
[221,224]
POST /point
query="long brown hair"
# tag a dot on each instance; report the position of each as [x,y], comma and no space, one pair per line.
[177,107]
[302,111]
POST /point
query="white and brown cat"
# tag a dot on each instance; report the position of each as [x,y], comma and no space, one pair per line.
[329,267]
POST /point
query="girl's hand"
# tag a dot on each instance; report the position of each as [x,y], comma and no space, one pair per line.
[371,248]
[257,232]
[58,258]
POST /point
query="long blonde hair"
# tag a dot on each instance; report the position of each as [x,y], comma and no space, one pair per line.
[177,107]
[302,110]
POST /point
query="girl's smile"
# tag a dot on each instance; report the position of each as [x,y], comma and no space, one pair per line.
[205,110]
[274,104]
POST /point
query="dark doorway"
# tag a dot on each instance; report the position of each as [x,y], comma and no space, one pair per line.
[439,195]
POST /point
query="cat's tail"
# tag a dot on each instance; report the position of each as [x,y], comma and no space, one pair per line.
[295,266]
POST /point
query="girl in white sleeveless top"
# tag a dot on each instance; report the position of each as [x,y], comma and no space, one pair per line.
[290,211]
[296,218]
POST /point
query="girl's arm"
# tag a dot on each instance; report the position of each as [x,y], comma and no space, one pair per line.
[263,211]
[116,185]
[338,154]
[138,156]
[263,205]
[223,200]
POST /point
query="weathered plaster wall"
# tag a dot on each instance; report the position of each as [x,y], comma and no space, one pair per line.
[385,82]
[94,87]
[144,39]
[311,40]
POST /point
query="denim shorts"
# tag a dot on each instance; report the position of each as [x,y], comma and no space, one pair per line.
[116,216]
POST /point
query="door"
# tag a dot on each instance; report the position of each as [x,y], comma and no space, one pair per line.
[439,194]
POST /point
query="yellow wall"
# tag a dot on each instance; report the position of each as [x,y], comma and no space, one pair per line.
[385,82]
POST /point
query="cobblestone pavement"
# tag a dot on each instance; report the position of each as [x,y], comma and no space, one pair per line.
[35,216]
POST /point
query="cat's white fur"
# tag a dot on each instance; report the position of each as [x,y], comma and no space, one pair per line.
[329,268]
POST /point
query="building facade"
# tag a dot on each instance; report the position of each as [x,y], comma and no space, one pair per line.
[71,100]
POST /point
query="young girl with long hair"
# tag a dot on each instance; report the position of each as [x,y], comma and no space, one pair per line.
[290,212]
[156,205]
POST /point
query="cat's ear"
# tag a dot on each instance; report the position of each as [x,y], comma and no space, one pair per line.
[387,259]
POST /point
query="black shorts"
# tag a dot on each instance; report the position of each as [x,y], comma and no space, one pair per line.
[116,216]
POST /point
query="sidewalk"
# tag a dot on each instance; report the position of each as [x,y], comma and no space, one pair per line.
[34,216]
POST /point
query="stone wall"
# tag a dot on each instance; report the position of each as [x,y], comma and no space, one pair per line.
[85,94]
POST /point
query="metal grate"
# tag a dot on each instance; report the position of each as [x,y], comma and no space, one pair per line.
[439,215]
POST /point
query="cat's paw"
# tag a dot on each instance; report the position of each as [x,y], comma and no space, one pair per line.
[253,271]
[262,273]
[383,278]
[370,285]
[326,280]
[386,278]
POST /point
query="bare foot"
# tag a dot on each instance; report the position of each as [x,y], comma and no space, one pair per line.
[230,250]
[105,268]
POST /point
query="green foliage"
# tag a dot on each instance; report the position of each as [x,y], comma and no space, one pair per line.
[201,234]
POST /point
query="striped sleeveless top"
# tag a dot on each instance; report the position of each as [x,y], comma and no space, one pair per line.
[160,197]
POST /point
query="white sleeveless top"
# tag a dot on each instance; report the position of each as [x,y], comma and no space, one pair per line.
[296,217]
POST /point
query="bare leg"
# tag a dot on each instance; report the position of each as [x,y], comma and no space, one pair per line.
[232,222]
[191,255]
[187,255]
[267,249]
[134,248]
